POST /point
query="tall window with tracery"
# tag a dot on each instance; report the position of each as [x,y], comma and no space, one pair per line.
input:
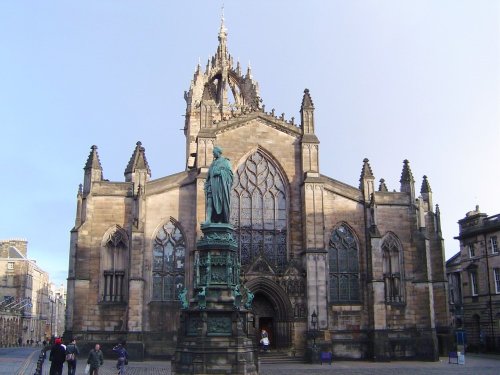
[344,266]
[258,211]
[114,264]
[392,268]
[168,262]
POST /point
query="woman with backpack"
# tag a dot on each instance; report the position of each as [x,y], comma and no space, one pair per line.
[71,354]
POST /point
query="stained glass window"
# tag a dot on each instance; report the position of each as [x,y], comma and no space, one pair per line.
[344,266]
[258,211]
[168,262]
[391,254]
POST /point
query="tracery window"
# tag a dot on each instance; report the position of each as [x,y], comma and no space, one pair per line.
[258,211]
[392,268]
[168,262]
[344,266]
[114,261]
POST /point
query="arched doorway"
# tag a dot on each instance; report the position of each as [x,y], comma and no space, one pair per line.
[264,317]
[273,312]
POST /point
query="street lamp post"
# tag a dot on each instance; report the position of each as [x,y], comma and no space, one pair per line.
[314,324]
[314,331]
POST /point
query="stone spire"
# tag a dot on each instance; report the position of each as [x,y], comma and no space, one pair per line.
[93,170]
[407,181]
[222,54]
[138,170]
[307,113]
[366,180]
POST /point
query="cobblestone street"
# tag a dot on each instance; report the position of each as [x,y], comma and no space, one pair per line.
[22,361]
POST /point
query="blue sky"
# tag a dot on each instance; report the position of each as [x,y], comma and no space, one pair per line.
[390,80]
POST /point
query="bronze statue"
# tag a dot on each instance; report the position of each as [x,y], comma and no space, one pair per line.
[218,189]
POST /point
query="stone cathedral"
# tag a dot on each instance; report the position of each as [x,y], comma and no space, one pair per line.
[368,262]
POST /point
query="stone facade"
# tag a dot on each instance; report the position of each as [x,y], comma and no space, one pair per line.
[368,262]
[26,307]
[474,281]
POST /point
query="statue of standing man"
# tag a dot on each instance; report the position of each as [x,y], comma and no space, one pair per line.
[218,189]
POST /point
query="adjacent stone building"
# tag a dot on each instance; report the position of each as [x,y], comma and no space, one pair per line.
[474,281]
[368,262]
[24,295]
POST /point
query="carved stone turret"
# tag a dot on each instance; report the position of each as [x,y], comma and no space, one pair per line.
[137,170]
[366,180]
[93,170]
[407,181]
[426,193]
[307,113]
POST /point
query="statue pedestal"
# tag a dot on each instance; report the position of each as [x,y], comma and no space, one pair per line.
[212,338]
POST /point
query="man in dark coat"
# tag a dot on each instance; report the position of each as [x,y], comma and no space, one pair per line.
[95,360]
[57,357]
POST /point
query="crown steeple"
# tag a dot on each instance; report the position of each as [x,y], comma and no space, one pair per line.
[216,94]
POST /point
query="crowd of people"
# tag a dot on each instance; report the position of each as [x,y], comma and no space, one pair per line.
[60,353]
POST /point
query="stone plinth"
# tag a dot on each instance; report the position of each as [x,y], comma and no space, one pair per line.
[213,338]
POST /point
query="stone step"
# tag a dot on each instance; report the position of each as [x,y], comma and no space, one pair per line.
[278,357]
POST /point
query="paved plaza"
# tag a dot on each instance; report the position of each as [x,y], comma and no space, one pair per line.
[22,361]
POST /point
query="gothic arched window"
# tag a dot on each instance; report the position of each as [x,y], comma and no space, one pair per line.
[258,211]
[392,268]
[344,266]
[168,262]
[114,264]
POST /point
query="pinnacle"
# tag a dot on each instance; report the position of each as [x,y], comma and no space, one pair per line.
[406,175]
[138,160]
[307,100]
[366,171]
[382,187]
[93,161]
[426,187]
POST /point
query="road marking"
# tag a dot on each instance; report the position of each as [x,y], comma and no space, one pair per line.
[26,363]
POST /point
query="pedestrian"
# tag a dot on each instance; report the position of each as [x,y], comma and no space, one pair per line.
[71,354]
[95,360]
[57,357]
[122,358]
[264,340]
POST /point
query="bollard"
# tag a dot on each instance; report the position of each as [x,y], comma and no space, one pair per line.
[39,363]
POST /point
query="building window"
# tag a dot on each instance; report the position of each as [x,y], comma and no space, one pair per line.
[169,251]
[472,250]
[473,283]
[496,276]
[494,244]
[10,265]
[454,286]
[392,268]
[114,264]
[344,266]
[259,212]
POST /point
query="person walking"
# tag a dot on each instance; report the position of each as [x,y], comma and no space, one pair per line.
[122,358]
[57,357]
[95,360]
[71,354]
